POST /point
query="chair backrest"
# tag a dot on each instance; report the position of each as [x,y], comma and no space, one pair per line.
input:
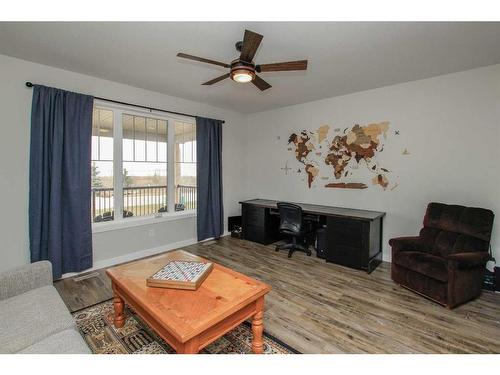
[450,229]
[290,217]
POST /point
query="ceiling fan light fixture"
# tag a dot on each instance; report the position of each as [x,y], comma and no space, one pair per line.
[242,75]
[243,69]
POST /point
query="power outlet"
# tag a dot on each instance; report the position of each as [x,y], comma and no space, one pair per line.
[151,232]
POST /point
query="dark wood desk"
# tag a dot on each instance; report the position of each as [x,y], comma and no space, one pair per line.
[353,237]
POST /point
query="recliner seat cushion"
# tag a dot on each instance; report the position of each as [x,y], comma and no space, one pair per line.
[423,263]
[31,317]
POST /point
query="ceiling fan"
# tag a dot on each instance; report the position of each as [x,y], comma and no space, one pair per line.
[243,69]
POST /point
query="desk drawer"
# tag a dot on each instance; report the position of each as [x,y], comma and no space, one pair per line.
[255,234]
[253,215]
[345,256]
[345,232]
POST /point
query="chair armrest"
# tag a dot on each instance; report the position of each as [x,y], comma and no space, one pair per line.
[25,278]
[405,244]
[468,260]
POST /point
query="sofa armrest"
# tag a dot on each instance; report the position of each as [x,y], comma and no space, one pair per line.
[468,260]
[405,244]
[25,278]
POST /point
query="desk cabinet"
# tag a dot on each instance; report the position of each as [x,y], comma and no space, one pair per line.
[258,225]
[353,236]
[354,243]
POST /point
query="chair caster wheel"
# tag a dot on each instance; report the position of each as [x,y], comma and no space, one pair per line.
[309,254]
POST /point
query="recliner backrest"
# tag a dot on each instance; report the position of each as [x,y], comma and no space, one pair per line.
[290,217]
[450,229]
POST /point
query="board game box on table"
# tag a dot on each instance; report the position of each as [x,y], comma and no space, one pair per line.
[179,274]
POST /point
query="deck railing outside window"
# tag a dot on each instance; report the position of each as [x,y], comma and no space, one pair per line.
[185,197]
[141,201]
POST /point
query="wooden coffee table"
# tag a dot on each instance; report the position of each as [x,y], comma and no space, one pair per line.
[189,320]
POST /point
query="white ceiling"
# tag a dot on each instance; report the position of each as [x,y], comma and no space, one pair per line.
[343,57]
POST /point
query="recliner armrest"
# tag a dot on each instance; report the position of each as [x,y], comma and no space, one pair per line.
[405,244]
[468,260]
[23,279]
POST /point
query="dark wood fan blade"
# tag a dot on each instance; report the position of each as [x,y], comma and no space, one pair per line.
[261,84]
[215,80]
[201,59]
[251,42]
[283,66]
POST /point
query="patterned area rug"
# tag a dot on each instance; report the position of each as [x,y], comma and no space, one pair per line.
[96,326]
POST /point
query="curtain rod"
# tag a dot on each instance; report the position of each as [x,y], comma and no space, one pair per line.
[29,84]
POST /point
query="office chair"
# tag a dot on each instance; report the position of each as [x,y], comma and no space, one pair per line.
[292,224]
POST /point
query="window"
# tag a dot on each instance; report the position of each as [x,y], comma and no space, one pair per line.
[102,165]
[185,166]
[143,164]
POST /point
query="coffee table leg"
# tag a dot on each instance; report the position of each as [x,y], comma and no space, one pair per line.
[190,347]
[258,328]
[119,305]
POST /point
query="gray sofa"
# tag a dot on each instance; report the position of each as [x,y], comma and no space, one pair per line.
[33,317]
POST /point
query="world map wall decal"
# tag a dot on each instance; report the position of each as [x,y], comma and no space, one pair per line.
[336,154]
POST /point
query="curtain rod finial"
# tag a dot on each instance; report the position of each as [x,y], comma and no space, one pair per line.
[29,84]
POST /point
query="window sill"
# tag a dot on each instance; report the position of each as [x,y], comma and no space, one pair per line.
[140,221]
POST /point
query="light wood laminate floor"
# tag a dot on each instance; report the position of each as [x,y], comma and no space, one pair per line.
[319,307]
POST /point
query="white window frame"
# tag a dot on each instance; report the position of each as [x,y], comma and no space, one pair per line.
[119,222]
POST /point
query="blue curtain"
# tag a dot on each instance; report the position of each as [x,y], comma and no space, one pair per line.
[59,197]
[210,214]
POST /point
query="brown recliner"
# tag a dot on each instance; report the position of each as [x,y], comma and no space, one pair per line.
[446,261]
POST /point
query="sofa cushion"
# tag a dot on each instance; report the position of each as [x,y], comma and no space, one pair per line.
[423,263]
[25,278]
[30,317]
[66,342]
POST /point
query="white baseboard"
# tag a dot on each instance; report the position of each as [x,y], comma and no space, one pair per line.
[133,256]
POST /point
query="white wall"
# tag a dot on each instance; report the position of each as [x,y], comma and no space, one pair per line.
[15,107]
[450,125]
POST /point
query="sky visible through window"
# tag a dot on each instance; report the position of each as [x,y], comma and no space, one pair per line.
[141,168]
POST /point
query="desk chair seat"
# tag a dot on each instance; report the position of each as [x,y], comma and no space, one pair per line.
[292,225]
